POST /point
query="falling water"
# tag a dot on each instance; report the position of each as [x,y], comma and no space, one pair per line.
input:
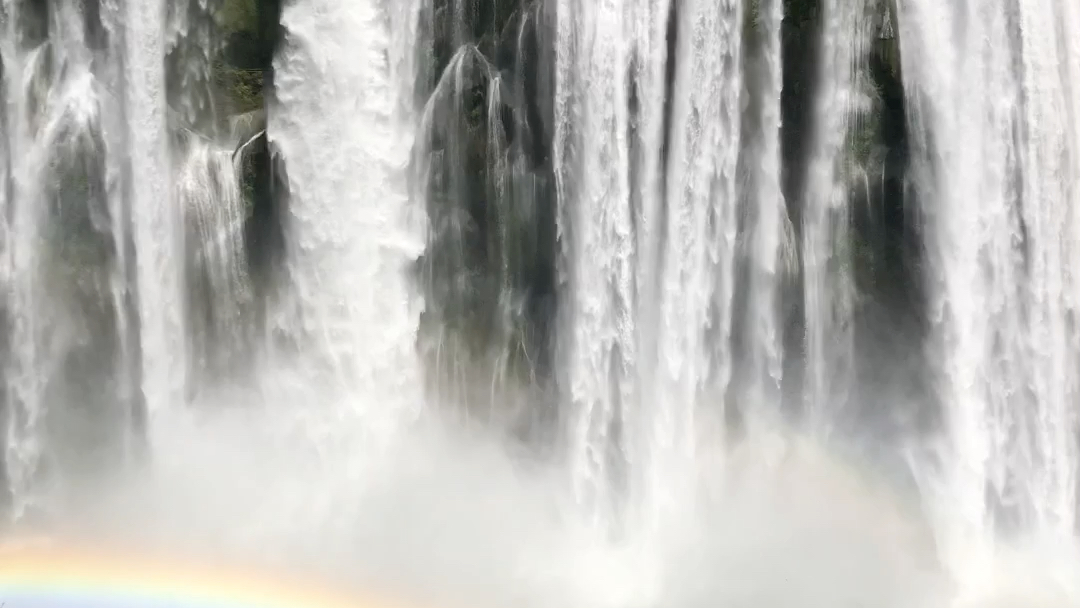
[156,218]
[636,241]
[995,126]
[218,283]
[772,239]
[650,237]
[698,259]
[650,22]
[51,126]
[351,236]
[97,200]
[827,259]
[602,362]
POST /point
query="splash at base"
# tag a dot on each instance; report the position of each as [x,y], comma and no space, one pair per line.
[448,519]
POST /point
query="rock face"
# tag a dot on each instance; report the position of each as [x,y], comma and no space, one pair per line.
[243,71]
[250,31]
[484,150]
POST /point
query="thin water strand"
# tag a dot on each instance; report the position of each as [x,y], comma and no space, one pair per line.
[771,235]
[828,284]
[157,219]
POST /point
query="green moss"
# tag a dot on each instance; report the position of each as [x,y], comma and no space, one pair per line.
[798,11]
[248,176]
[752,18]
[238,16]
[238,71]
[862,140]
[243,88]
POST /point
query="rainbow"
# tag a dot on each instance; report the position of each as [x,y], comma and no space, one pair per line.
[82,578]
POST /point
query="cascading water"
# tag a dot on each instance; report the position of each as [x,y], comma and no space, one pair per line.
[696,284]
[828,282]
[998,169]
[57,199]
[156,218]
[218,282]
[644,244]
[771,241]
[351,243]
[651,240]
[98,188]
[602,359]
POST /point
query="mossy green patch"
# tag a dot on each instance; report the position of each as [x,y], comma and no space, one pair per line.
[238,16]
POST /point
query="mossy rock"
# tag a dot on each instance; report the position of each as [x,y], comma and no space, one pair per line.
[243,88]
[238,16]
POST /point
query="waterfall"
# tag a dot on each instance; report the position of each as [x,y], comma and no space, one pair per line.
[606,302]
[694,358]
[656,225]
[772,239]
[602,360]
[651,238]
[351,233]
[57,202]
[101,182]
[219,289]
[995,126]
[157,219]
[828,284]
